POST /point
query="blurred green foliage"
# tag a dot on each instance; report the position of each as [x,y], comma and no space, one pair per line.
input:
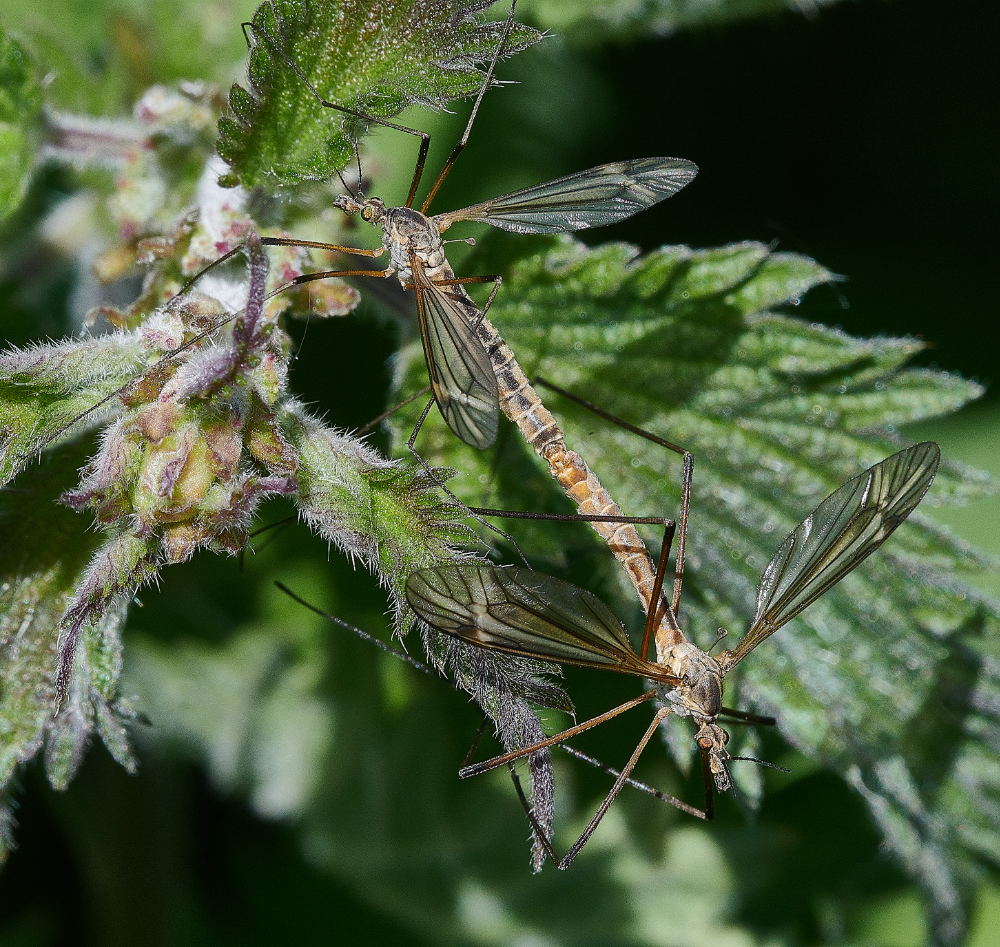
[20,105]
[293,783]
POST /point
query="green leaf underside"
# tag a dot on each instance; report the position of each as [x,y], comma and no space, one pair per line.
[376,58]
[389,515]
[39,575]
[43,397]
[778,413]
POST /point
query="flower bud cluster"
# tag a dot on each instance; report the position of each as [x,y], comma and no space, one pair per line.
[198,444]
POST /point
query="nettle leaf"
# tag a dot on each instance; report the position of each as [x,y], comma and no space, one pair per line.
[20,120]
[778,413]
[50,393]
[595,21]
[43,558]
[376,58]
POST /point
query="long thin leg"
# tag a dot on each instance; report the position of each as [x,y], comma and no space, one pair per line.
[363,635]
[425,669]
[597,764]
[326,274]
[190,343]
[388,414]
[274,528]
[546,842]
[425,139]
[475,742]
[475,108]
[495,278]
[575,517]
[476,768]
[205,333]
[315,245]
[160,363]
[634,783]
[563,863]
[568,858]
[685,483]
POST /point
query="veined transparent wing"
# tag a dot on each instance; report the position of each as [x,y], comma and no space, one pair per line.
[592,198]
[461,375]
[528,614]
[846,528]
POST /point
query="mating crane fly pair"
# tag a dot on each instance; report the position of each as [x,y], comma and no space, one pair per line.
[462,375]
[522,612]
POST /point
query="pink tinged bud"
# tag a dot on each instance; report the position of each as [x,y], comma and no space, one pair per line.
[194,479]
[175,478]
[225,446]
[155,421]
[146,387]
[180,541]
[197,311]
[268,445]
[151,249]
[280,486]
[333,298]
[269,377]
[113,263]
[105,481]
[169,475]
[163,331]
[204,373]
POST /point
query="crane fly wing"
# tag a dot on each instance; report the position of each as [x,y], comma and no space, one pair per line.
[846,528]
[528,614]
[460,371]
[602,195]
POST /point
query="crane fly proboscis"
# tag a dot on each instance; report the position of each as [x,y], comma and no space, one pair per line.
[525,613]
[463,363]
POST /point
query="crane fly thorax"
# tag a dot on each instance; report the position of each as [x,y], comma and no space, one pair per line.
[405,233]
[701,674]
[700,694]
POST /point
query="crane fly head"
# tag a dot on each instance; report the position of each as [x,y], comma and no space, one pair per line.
[371,209]
[712,739]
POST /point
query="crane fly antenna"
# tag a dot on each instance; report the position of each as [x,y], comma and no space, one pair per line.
[753,759]
[363,635]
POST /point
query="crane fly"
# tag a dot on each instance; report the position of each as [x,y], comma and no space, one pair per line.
[525,613]
[459,365]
